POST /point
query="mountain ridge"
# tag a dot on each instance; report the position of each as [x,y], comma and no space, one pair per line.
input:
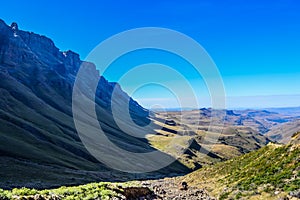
[37,127]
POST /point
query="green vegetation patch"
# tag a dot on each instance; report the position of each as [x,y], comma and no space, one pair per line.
[101,191]
[271,168]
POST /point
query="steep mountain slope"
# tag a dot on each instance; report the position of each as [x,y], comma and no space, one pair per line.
[272,172]
[39,144]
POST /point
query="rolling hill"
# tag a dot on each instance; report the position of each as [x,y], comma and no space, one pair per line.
[232,140]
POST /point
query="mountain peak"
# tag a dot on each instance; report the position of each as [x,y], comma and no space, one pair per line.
[14,28]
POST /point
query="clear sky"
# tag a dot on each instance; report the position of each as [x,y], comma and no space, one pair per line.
[255,44]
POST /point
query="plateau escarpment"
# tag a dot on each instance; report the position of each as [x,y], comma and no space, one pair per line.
[39,144]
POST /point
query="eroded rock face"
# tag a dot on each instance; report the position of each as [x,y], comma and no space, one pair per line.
[15,28]
[36,119]
[13,51]
[36,55]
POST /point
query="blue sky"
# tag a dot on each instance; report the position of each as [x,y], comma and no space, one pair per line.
[255,44]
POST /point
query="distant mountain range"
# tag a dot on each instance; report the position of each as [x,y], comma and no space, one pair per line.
[293,111]
[283,132]
[261,120]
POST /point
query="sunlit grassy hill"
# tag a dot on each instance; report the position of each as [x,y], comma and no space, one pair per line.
[268,173]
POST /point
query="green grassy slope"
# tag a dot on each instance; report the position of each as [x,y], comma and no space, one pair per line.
[258,174]
[90,191]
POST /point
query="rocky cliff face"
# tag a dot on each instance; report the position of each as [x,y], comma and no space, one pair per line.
[37,56]
[36,120]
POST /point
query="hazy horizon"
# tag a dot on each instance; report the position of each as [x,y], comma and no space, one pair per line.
[236,103]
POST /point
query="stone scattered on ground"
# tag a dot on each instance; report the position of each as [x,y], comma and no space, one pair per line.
[168,189]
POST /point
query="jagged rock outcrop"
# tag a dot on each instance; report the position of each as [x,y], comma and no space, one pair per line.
[36,119]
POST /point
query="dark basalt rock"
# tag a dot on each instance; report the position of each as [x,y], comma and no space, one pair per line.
[36,119]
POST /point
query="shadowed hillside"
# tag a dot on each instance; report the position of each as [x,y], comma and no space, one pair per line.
[39,145]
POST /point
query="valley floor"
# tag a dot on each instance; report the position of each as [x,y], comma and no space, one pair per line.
[272,172]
